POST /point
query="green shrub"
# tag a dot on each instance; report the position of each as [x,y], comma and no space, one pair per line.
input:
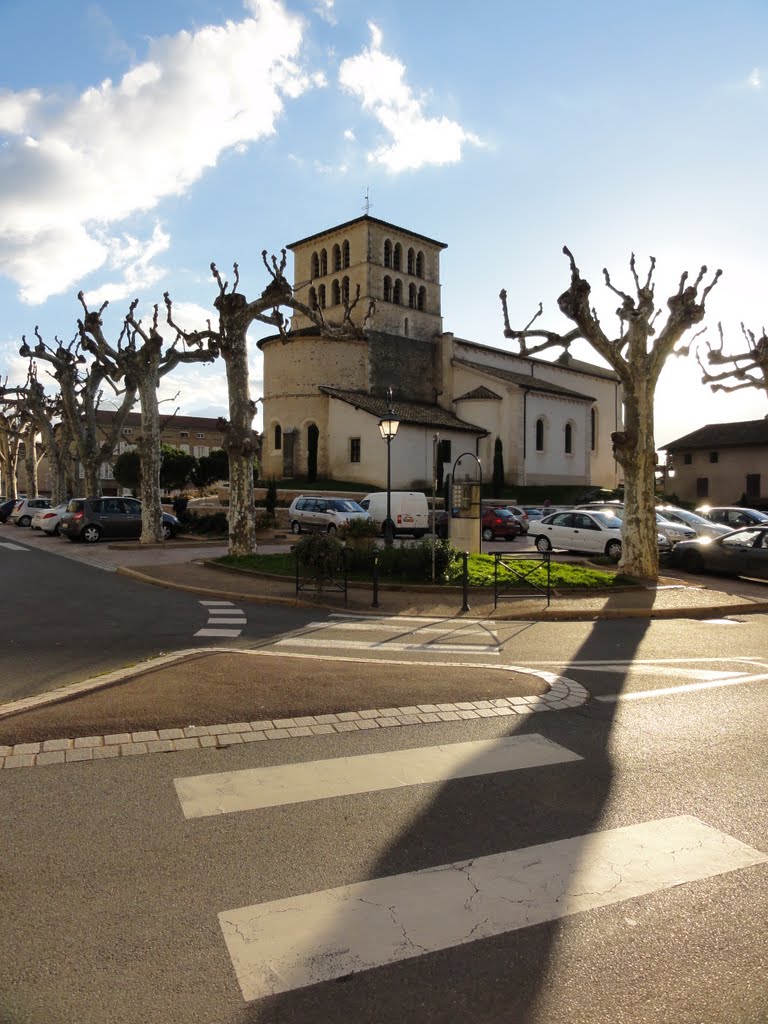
[320,553]
[212,522]
[405,563]
[358,528]
[265,521]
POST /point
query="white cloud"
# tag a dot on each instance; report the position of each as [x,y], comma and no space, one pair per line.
[324,10]
[133,257]
[756,79]
[68,173]
[349,135]
[378,80]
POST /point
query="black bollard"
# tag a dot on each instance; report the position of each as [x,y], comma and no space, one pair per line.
[375,602]
[465,581]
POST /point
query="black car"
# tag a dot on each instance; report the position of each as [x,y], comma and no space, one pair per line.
[90,519]
[6,508]
[743,552]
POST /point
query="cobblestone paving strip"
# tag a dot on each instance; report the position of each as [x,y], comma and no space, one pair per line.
[563,694]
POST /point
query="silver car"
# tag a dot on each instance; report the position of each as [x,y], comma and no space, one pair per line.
[323,515]
[703,527]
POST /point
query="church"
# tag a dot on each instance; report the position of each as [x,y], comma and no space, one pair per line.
[324,397]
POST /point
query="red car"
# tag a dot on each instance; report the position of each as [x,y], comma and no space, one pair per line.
[500,522]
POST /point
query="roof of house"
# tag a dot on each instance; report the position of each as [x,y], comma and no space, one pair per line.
[743,434]
[133,419]
[481,392]
[370,220]
[565,360]
[524,380]
[420,414]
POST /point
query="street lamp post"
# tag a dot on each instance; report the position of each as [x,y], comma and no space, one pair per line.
[388,425]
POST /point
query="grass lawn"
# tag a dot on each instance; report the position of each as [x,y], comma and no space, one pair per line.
[563,575]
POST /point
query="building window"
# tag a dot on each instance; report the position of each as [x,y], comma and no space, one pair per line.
[593,427]
[687,459]
[321,296]
[411,262]
[422,300]
[387,289]
[397,257]
[199,435]
[397,293]
[702,487]
[183,433]
[753,485]
[568,439]
[335,293]
[539,435]
[412,296]
[345,291]
[354,449]
[345,253]
[714,456]
[337,257]
[387,253]
[420,264]
[315,271]
[323,263]
[278,438]
[127,430]
[405,327]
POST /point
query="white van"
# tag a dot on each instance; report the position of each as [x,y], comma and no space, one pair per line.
[408,509]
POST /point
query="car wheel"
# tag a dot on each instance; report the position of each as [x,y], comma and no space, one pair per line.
[543,544]
[487,533]
[295,527]
[167,532]
[57,530]
[90,533]
[693,562]
[331,528]
[24,521]
[613,549]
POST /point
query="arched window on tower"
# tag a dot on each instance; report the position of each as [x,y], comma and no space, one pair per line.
[278,438]
[397,293]
[420,264]
[405,327]
[335,293]
[412,297]
[337,257]
[387,289]
[312,298]
[422,301]
[321,296]
[345,253]
[593,427]
[315,271]
[323,263]
[397,257]
[568,439]
[387,253]
[539,435]
[411,261]
[345,290]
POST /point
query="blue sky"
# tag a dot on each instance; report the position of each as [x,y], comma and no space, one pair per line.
[140,141]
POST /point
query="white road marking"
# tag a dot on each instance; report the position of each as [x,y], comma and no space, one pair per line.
[615,698]
[418,619]
[397,627]
[316,937]
[219,632]
[222,613]
[252,788]
[362,645]
[217,620]
[13,547]
[212,604]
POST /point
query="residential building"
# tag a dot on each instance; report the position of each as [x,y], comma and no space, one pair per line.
[721,464]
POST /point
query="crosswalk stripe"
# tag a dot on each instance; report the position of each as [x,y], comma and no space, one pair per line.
[392,626]
[252,788]
[13,547]
[217,620]
[384,645]
[213,604]
[616,698]
[302,940]
[219,632]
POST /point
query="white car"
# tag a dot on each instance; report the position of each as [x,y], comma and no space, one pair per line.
[25,508]
[579,530]
[674,532]
[47,520]
[682,517]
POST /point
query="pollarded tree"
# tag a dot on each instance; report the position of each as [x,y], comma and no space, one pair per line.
[140,359]
[55,432]
[747,369]
[638,355]
[236,314]
[81,388]
[11,432]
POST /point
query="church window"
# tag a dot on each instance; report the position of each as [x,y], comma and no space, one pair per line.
[345,290]
[422,300]
[278,438]
[387,253]
[397,257]
[420,264]
[593,427]
[387,289]
[354,449]
[412,297]
[335,293]
[345,253]
[315,271]
[411,261]
[321,296]
[568,439]
[539,435]
[405,327]
[323,263]
[397,293]
[337,257]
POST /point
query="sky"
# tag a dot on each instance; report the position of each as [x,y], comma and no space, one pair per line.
[139,142]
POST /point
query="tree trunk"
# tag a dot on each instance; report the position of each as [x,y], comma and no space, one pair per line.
[149,449]
[30,460]
[239,446]
[635,451]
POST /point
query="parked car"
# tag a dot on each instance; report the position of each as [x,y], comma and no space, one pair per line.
[90,519]
[683,517]
[535,513]
[318,514]
[25,508]
[6,508]
[674,532]
[48,520]
[499,522]
[408,509]
[732,515]
[742,552]
[581,530]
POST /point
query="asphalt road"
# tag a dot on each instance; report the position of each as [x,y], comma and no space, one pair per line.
[111,896]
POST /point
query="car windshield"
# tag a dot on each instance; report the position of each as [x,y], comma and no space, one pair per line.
[503,513]
[346,505]
[761,516]
[685,516]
